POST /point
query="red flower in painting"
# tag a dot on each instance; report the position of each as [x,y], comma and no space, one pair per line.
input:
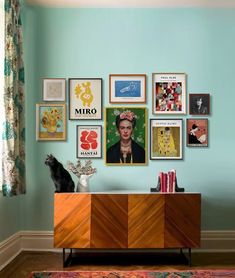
[88,140]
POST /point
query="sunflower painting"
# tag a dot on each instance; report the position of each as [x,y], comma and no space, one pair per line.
[50,122]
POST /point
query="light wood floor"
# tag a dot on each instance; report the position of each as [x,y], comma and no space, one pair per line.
[27,262]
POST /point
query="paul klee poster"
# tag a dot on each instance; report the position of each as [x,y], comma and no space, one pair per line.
[169,90]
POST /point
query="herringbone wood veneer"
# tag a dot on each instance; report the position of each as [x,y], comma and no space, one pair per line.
[145,221]
[72,220]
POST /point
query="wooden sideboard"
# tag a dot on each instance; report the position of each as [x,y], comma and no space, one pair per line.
[114,221]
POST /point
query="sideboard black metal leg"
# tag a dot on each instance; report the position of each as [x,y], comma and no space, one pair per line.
[67,261]
[63,257]
[189,257]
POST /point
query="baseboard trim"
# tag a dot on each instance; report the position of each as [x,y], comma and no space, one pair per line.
[211,241]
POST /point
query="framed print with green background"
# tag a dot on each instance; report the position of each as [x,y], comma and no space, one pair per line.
[197,132]
[166,139]
[50,122]
[127,88]
[126,136]
[89,141]
[54,89]
[85,98]
[169,93]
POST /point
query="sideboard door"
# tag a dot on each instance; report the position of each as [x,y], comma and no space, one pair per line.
[109,221]
[72,220]
[146,221]
[182,220]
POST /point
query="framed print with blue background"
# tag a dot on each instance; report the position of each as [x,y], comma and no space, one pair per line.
[127,88]
[85,98]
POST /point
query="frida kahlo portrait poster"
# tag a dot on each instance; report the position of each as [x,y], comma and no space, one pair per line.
[166,139]
[126,136]
[169,93]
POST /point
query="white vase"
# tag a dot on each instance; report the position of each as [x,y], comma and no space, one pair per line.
[83,183]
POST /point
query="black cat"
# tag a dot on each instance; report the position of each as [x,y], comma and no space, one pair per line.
[61,177]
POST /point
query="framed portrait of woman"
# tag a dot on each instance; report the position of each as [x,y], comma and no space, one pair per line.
[166,139]
[197,132]
[125,136]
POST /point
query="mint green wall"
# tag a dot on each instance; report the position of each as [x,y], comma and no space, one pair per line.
[96,42]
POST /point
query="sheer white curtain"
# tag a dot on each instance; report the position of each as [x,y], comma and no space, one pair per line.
[2,17]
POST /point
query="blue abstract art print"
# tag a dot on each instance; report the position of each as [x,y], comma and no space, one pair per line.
[130,88]
[127,88]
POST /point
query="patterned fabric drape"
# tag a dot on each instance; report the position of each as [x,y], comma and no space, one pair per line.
[13,164]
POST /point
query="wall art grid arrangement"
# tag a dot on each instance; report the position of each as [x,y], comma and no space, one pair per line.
[126,127]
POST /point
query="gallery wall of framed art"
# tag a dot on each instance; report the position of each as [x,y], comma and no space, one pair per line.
[125,127]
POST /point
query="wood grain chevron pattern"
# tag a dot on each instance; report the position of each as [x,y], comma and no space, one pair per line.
[72,220]
[182,220]
[109,221]
[146,221]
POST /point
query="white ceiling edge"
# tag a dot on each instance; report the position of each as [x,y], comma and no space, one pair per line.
[133,3]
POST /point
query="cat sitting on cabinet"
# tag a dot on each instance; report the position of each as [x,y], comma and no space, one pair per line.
[60,176]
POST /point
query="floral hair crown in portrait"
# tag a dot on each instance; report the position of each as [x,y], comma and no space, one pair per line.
[126,115]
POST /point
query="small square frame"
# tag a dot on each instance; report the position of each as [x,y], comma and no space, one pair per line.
[54,89]
[89,141]
[199,104]
[166,139]
[127,88]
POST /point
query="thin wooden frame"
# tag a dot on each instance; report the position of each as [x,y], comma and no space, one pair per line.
[112,136]
[199,104]
[197,132]
[166,142]
[50,122]
[169,93]
[85,98]
[89,141]
[54,89]
[127,88]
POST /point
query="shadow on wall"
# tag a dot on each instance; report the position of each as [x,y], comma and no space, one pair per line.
[222,209]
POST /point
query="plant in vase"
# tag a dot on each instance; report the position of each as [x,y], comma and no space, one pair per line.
[83,173]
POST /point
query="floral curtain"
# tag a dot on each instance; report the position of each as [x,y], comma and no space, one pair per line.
[13,137]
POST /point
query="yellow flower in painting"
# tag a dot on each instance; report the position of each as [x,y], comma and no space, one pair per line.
[50,119]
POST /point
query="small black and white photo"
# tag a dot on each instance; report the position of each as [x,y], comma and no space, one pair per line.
[199,104]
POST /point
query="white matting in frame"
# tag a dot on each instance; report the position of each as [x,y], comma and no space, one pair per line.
[54,89]
[169,93]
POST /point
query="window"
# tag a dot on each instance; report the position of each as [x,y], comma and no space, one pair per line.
[2,18]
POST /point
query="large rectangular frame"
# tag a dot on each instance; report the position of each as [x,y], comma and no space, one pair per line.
[139,135]
[127,88]
[50,122]
[89,141]
[85,98]
[169,93]
[166,139]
